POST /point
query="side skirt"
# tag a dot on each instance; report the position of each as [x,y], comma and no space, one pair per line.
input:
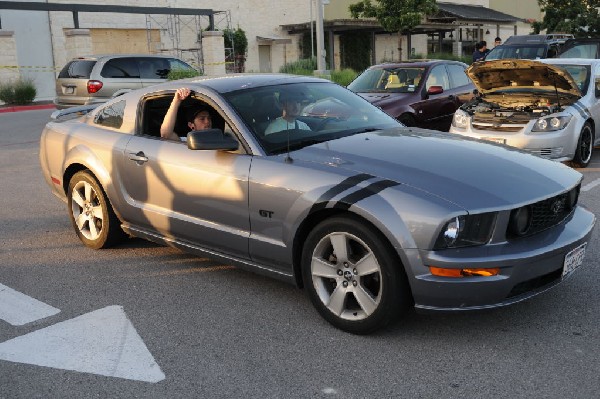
[244,264]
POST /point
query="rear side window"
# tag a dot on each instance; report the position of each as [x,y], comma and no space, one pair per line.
[111,115]
[178,64]
[458,75]
[121,68]
[154,68]
[77,69]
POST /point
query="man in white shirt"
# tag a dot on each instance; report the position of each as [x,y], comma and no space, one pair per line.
[291,109]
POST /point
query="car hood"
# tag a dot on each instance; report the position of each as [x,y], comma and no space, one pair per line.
[512,75]
[466,172]
[382,99]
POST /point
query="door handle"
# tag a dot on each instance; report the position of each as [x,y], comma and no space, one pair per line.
[138,157]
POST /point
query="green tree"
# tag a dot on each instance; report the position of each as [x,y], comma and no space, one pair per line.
[395,15]
[579,17]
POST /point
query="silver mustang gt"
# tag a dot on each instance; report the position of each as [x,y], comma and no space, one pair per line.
[328,193]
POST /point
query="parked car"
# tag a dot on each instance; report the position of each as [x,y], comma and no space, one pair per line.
[95,79]
[581,48]
[548,107]
[529,47]
[369,216]
[418,93]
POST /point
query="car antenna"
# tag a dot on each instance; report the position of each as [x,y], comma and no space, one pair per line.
[288,159]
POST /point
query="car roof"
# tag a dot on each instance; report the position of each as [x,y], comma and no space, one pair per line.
[530,39]
[232,82]
[98,57]
[576,61]
[414,63]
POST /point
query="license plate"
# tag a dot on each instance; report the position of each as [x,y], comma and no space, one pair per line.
[574,259]
[69,90]
[495,139]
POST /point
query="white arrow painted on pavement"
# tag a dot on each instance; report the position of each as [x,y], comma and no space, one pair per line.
[102,342]
[18,309]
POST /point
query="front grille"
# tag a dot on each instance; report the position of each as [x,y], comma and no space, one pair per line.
[546,213]
[494,128]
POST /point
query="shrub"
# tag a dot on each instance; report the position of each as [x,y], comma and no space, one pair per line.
[343,77]
[467,59]
[305,66]
[18,92]
[180,73]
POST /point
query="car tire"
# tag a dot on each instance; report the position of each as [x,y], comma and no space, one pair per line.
[352,276]
[91,213]
[407,120]
[585,146]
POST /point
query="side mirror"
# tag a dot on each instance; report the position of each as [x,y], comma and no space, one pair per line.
[435,90]
[211,139]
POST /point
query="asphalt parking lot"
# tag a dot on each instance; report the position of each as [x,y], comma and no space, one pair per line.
[146,321]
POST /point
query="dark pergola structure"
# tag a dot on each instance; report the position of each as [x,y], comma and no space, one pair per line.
[80,8]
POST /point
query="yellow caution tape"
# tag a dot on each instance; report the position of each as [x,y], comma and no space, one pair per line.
[29,67]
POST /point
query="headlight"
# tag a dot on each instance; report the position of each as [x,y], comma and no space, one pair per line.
[460,119]
[466,230]
[551,123]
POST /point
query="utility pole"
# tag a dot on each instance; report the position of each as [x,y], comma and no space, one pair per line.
[321,65]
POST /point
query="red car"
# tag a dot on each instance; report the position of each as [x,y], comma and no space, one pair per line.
[417,93]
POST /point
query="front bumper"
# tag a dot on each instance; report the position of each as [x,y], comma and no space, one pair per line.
[528,266]
[559,145]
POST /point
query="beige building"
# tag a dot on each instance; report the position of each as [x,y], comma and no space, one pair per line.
[38,43]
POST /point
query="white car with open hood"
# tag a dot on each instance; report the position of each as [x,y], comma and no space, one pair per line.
[548,107]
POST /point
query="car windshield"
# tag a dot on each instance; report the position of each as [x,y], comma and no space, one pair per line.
[530,52]
[292,116]
[581,76]
[388,80]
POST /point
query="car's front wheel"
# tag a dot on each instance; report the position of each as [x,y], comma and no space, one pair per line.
[352,277]
[585,147]
[91,214]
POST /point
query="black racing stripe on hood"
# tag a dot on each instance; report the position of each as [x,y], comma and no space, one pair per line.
[372,189]
[338,189]
[584,112]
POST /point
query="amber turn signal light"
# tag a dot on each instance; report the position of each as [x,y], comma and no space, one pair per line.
[467,272]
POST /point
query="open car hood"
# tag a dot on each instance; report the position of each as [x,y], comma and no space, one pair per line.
[512,75]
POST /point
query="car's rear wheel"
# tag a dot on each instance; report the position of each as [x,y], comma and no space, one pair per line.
[91,214]
[585,146]
[352,277]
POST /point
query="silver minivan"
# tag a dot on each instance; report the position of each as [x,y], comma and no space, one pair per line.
[95,79]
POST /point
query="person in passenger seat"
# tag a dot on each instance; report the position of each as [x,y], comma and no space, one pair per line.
[197,119]
[291,105]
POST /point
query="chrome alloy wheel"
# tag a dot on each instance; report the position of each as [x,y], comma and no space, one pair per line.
[87,210]
[346,276]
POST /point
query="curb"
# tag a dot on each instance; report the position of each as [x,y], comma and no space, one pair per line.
[18,108]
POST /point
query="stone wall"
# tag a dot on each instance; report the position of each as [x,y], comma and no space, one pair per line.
[8,57]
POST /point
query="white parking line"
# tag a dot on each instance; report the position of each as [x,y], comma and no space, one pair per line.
[18,309]
[590,185]
[102,342]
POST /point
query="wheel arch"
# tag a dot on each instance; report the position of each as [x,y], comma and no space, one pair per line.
[75,167]
[317,217]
